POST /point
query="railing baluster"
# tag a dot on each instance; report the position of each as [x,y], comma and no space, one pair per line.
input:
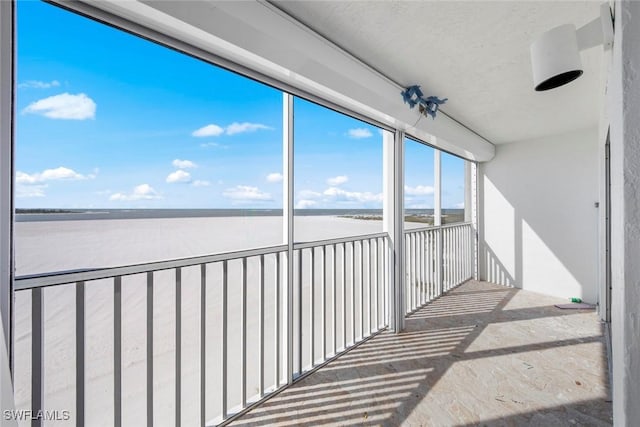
[421,255]
[323,313]
[353,291]
[312,306]
[362,289]
[277,321]
[80,335]
[344,295]
[261,328]
[300,312]
[203,340]
[243,333]
[335,300]
[377,268]
[225,277]
[117,351]
[370,286]
[37,359]
[150,349]
[178,346]
[385,290]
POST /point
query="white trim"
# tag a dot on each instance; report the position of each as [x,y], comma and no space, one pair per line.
[7,34]
[6,165]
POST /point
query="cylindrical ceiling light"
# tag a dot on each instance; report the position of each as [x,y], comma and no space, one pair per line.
[555,54]
[555,58]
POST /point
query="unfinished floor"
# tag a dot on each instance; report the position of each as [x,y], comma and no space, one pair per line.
[481,355]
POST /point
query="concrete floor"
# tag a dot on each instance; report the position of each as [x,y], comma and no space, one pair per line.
[481,355]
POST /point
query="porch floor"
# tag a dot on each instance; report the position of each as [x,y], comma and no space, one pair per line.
[482,354]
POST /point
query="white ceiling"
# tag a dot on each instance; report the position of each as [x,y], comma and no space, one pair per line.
[474,53]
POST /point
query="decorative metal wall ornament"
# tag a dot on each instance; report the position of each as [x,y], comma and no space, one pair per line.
[427,106]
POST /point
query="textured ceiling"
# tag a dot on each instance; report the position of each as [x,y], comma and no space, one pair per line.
[474,53]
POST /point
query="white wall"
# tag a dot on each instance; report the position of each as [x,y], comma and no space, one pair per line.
[539,224]
[624,112]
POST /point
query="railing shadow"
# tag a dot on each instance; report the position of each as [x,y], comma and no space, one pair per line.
[393,379]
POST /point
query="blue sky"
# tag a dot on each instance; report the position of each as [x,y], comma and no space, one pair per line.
[109,120]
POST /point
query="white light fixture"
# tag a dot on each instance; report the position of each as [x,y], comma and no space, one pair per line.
[555,55]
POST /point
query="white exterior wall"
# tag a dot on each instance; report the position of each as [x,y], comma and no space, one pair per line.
[539,223]
[624,113]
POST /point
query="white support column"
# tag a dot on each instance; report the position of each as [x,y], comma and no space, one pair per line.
[437,188]
[393,223]
[624,109]
[437,218]
[7,43]
[287,221]
[473,181]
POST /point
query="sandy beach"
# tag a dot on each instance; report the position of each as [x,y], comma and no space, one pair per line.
[51,246]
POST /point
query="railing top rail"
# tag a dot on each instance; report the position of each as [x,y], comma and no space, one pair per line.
[62,278]
[316,243]
[434,227]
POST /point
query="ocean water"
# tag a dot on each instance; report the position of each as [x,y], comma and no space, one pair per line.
[32,215]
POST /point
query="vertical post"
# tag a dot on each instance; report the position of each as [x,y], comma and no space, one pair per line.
[393,223]
[203,340]
[117,351]
[178,392]
[474,221]
[80,338]
[6,189]
[223,394]
[334,307]
[323,311]
[312,307]
[37,354]
[261,320]
[437,219]
[150,349]
[243,335]
[287,151]
[300,364]
[353,291]
[277,321]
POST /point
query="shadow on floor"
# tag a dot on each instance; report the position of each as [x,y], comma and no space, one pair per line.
[480,355]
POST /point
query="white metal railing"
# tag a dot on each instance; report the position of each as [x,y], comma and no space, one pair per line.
[340,292]
[437,259]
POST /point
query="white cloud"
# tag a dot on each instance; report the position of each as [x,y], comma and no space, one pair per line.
[245,193]
[275,177]
[200,183]
[460,205]
[305,204]
[183,164]
[359,133]
[178,176]
[37,84]
[25,191]
[332,195]
[57,174]
[418,190]
[64,106]
[140,192]
[208,130]
[337,180]
[309,194]
[232,129]
[338,194]
[244,127]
